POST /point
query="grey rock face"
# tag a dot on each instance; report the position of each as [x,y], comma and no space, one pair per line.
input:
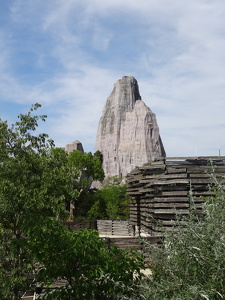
[76,145]
[128,134]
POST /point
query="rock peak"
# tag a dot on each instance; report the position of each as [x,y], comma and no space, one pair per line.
[128,134]
[76,145]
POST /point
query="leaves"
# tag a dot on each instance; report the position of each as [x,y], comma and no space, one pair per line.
[33,182]
[88,163]
[37,183]
[89,268]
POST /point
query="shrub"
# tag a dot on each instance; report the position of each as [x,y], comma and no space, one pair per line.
[88,267]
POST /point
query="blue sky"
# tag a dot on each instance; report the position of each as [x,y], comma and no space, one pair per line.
[67,54]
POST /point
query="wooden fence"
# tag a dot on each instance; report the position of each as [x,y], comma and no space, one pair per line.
[160,190]
[81,224]
[105,227]
[114,227]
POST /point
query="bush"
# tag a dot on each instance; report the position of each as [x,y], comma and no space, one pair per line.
[109,202]
[192,263]
[88,267]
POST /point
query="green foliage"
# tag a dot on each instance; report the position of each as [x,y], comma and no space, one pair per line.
[98,209]
[117,201]
[15,264]
[37,182]
[28,187]
[90,164]
[99,155]
[34,181]
[83,169]
[109,202]
[192,264]
[91,206]
[88,268]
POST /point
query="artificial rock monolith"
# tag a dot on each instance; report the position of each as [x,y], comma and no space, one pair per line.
[128,134]
[76,145]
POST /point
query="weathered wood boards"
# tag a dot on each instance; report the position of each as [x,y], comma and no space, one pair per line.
[160,189]
[108,227]
[114,227]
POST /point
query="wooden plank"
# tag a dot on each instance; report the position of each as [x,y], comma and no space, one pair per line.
[172,211]
[161,167]
[198,175]
[152,166]
[135,185]
[171,199]
[133,172]
[174,170]
[166,176]
[149,191]
[204,169]
[168,188]
[174,193]
[135,178]
[203,193]
[171,182]
[170,205]
[178,163]
[201,181]
[133,193]
[160,217]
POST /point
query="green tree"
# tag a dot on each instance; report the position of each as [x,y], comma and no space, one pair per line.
[90,206]
[99,155]
[83,169]
[89,164]
[117,201]
[33,182]
[88,268]
[113,198]
[37,182]
[109,202]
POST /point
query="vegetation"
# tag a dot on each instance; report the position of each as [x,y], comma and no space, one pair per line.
[88,268]
[113,198]
[37,184]
[109,202]
[32,182]
[192,263]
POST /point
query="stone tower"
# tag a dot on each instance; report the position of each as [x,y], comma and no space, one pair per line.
[128,134]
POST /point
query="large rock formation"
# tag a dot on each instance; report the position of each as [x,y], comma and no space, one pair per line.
[128,134]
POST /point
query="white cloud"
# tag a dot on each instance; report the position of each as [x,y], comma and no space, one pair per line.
[78,49]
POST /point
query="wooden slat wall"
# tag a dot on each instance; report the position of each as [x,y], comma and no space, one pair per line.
[110,227]
[114,227]
[160,189]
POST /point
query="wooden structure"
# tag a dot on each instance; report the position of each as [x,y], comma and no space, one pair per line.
[114,227]
[104,227]
[160,190]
